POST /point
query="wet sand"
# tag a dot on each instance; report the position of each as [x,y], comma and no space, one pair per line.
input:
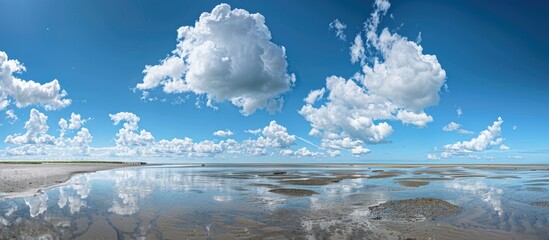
[304,202]
[414,209]
[293,192]
[407,183]
[17,180]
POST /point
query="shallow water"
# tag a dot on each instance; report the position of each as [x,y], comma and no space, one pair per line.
[235,203]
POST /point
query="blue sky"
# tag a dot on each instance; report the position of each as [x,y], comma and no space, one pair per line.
[493,55]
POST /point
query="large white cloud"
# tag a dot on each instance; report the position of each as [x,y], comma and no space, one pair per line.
[407,77]
[397,82]
[226,55]
[25,93]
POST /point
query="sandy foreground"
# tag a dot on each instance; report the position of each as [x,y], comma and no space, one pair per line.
[18,180]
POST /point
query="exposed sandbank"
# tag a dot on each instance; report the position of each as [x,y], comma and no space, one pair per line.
[22,179]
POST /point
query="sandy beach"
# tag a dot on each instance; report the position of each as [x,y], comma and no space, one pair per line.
[18,180]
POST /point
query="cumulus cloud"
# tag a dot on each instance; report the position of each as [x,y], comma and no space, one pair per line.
[274,136]
[407,77]
[128,136]
[223,133]
[335,145]
[25,93]
[485,140]
[339,28]
[456,127]
[226,56]
[304,152]
[75,122]
[397,82]
[82,140]
[459,112]
[277,135]
[133,142]
[37,141]
[37,129]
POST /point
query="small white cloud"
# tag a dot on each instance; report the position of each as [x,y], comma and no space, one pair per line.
[459,111]
[226,56]
[504,147]
[456,127]
[452,126]
[339,28]
[254,131]
[304,152]
[357,50]
[286,152]
[11,116]
[516,157]
[359,150]
[418,38]
[484,141]
[223,133]
[333,153]
[515,127]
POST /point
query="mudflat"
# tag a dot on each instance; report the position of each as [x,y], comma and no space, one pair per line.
[26,179]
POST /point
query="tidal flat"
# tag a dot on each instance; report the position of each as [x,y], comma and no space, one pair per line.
[287,202]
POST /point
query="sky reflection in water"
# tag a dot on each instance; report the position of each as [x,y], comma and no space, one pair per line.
[203,202]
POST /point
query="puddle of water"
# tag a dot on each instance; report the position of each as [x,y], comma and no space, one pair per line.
[233,203]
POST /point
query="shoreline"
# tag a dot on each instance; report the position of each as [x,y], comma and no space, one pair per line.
[26,178]
[21,179]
